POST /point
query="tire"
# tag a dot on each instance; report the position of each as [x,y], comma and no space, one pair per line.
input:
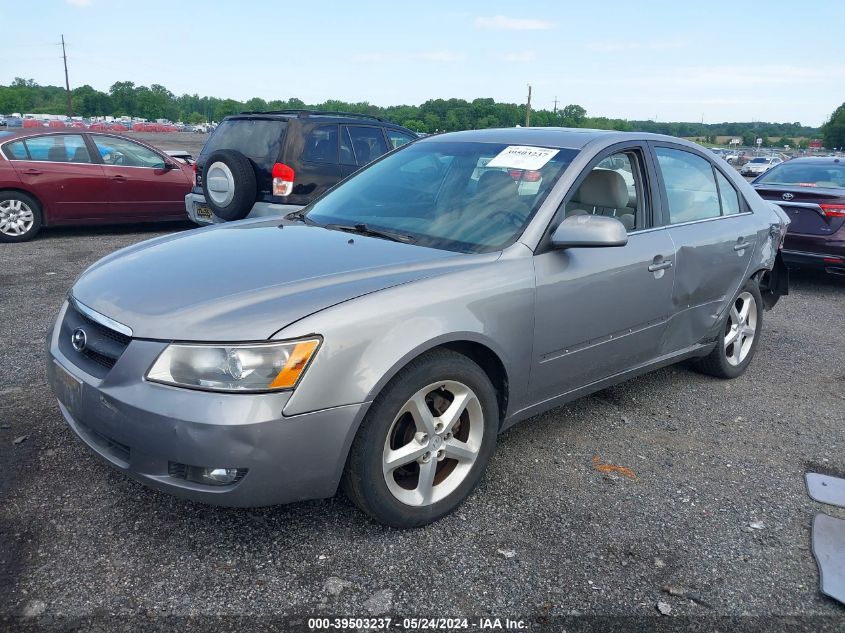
[21,216]
[731,359]
[234,193]
[387,492]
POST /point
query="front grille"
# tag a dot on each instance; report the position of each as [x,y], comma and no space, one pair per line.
[103,347]
[106,444]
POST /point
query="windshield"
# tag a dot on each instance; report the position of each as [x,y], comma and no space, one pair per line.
[806,175]
[459,196]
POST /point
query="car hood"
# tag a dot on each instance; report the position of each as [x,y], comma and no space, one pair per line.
[247,280]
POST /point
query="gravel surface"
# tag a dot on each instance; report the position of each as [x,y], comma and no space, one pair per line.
[714,521]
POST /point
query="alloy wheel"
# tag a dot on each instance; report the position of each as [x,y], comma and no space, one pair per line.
[740,329]
[16,217]
[433,443]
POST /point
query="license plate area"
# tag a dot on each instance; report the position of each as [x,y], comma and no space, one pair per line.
[68,387]
[204,212]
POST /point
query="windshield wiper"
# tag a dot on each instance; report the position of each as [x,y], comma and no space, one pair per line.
[371,231]
[300,216]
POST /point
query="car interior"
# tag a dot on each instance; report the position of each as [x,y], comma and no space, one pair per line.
[610,189]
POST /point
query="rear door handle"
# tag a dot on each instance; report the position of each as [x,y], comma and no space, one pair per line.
[661,266]
[32,172]
[742,246]
[119,177]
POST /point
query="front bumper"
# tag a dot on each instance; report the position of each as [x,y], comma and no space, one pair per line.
[143,428]
[194,202]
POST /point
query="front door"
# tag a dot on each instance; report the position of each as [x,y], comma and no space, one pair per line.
[601,311]
[140,185]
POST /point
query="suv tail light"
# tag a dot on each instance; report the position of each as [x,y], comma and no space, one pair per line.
[283,177]
[833,210]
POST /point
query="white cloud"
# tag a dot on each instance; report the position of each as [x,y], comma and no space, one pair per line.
[438,56]
[502,22]
[80,3]
[521,57]
[616,46]
[426,56]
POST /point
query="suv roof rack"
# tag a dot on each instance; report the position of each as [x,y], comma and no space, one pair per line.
[306,113]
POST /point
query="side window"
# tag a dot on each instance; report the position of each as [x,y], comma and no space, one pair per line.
[15,151]
[614,188]
[367,143]
[728,195]
[321,145]
[397,138]
[690,186]
[59,148]
[125,153]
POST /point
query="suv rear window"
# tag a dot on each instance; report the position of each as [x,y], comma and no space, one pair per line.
[259,139]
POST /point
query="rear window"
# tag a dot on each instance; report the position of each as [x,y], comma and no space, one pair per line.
[759,160]
[806,175]
[258,139]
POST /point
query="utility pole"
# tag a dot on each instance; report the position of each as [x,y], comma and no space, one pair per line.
[555,105]
[528,109]
[67,81]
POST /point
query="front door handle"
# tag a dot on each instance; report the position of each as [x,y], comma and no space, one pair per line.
[119,178]
[33,172]
[667,263]
[741,246]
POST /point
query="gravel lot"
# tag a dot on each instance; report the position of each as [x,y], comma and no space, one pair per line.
[545,535]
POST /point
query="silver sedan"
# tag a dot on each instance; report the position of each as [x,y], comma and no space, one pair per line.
[381,338]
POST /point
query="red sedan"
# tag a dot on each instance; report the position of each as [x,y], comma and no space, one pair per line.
[75,177]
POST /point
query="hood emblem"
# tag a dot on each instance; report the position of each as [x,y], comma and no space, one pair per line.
[788,196]
[78,339]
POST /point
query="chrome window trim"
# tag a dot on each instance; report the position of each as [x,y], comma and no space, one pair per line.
[672,226]
[102,319]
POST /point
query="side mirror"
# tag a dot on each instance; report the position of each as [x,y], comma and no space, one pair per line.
[169,165]
[589,231]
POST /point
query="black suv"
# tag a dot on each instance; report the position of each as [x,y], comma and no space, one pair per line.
[271,163]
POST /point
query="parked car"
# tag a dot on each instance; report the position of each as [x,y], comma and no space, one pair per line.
[2,121]
[383,336]
[760,165]
[271,163]
[53,178]
[812,192]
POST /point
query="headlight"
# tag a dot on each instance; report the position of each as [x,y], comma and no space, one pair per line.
[243,368]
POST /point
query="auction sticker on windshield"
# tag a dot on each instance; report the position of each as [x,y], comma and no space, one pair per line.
[523,157]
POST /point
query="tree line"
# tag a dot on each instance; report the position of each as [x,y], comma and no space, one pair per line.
[157,102]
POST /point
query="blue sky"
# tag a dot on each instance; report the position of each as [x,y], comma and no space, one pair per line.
[675,60]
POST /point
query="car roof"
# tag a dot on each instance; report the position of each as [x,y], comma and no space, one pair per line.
[572,138]
[322,115]
[819,160]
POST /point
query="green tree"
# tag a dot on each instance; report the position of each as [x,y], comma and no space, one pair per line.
[833,131]
[124,99]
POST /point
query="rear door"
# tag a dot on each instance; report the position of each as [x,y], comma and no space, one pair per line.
[360,145]
[140,184]
[60,170]
[315,161]
[714,235]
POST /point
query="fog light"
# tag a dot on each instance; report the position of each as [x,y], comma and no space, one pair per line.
[207,476]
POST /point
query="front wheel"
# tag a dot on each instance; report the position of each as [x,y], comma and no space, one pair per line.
[738,336]
[425,441]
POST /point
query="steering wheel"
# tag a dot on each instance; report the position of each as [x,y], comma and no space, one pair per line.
[509,216]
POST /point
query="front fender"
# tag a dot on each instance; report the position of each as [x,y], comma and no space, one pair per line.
[366,341]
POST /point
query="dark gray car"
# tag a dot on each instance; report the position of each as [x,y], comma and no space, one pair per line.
[383,337]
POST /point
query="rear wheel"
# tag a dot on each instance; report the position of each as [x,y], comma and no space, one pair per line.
[739,335]
[425,442]
[20,216]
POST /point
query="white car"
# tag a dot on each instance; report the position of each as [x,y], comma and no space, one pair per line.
[760,165]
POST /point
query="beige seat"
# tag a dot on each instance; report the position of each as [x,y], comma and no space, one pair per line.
[603,192]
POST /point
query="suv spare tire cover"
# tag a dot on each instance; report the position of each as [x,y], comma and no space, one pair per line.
[228,183]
